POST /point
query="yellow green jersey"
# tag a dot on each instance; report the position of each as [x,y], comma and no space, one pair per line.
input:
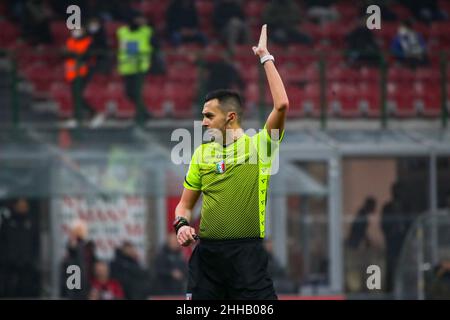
[234,180]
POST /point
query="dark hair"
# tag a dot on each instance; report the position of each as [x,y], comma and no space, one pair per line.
[407,23]
[370,203]
[229,100]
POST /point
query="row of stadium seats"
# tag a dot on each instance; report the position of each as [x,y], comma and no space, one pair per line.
[162,100]
[421,87]
[409,92]
[436,35]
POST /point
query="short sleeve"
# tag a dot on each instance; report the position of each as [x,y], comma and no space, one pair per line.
[266,145]
[192,180]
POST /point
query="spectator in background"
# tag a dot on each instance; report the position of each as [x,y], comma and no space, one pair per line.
[386,13]
[59,7]
[283,18]
[395,222]
[408,46]
[78,66]
[35,22]
[438,284]
[279,276]
[321,11]
[99,46]
[182,23]
[425,11]
[230,22]
[134,59]
[103,287]
[127,270]
[359,252]
[361,46]
[223,74]
[19,251]
[358,231]
[170,268]
[79,252]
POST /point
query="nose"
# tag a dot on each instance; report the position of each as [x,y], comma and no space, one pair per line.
[205,122]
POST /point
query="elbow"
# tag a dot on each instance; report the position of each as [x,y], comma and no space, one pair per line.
[283,106]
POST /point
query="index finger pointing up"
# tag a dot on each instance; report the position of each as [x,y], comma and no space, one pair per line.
[263,37]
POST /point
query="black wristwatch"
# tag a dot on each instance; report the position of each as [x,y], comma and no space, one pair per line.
[179,222]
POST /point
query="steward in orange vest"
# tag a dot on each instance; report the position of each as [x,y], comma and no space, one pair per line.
[77,47]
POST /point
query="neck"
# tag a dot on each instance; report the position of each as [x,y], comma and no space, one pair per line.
[232,134]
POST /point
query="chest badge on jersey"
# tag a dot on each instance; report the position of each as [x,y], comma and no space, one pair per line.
[220,166]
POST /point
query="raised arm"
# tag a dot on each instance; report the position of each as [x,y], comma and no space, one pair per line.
[277,117]
[186,233]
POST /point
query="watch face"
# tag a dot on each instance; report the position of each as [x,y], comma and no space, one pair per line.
[177,220]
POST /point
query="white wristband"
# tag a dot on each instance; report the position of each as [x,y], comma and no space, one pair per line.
[266,58]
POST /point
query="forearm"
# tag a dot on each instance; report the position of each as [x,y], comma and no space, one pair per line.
[182,211]
[279,95]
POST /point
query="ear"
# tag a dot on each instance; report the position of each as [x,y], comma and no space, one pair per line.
[231,116]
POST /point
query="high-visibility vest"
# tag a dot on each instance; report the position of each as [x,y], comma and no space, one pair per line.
[135,50]
[78,47]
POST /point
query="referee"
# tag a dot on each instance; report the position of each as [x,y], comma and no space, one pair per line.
[232,171]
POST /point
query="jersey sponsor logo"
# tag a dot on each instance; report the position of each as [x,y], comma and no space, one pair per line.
[220,166]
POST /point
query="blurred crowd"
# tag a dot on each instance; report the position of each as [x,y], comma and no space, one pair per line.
[146,30]
[398,215]
[122,277]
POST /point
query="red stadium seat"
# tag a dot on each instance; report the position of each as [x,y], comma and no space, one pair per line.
[401,104]
[204,8]
[400,74]
[111,32]
[315,31]
[96,95]
[9,33]
[155,11]
[170,98]
[342,100]
[432,105]
[430,75]
[249,73]
[59,32]
[182,73]
[154,79]
[61,93]
[336,31]
[42,75]
[154,97]
[400,11]
[369,101]
[342,74]
[440,30]
[251,93]
[311,99]
[369,74]
[347,10]
[253,9]
[293,74]
[174,57]
[295,95]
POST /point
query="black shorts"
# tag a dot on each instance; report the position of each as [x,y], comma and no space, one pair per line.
[230,269]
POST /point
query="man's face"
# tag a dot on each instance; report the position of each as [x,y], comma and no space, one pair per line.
[101,271]
[213,117]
